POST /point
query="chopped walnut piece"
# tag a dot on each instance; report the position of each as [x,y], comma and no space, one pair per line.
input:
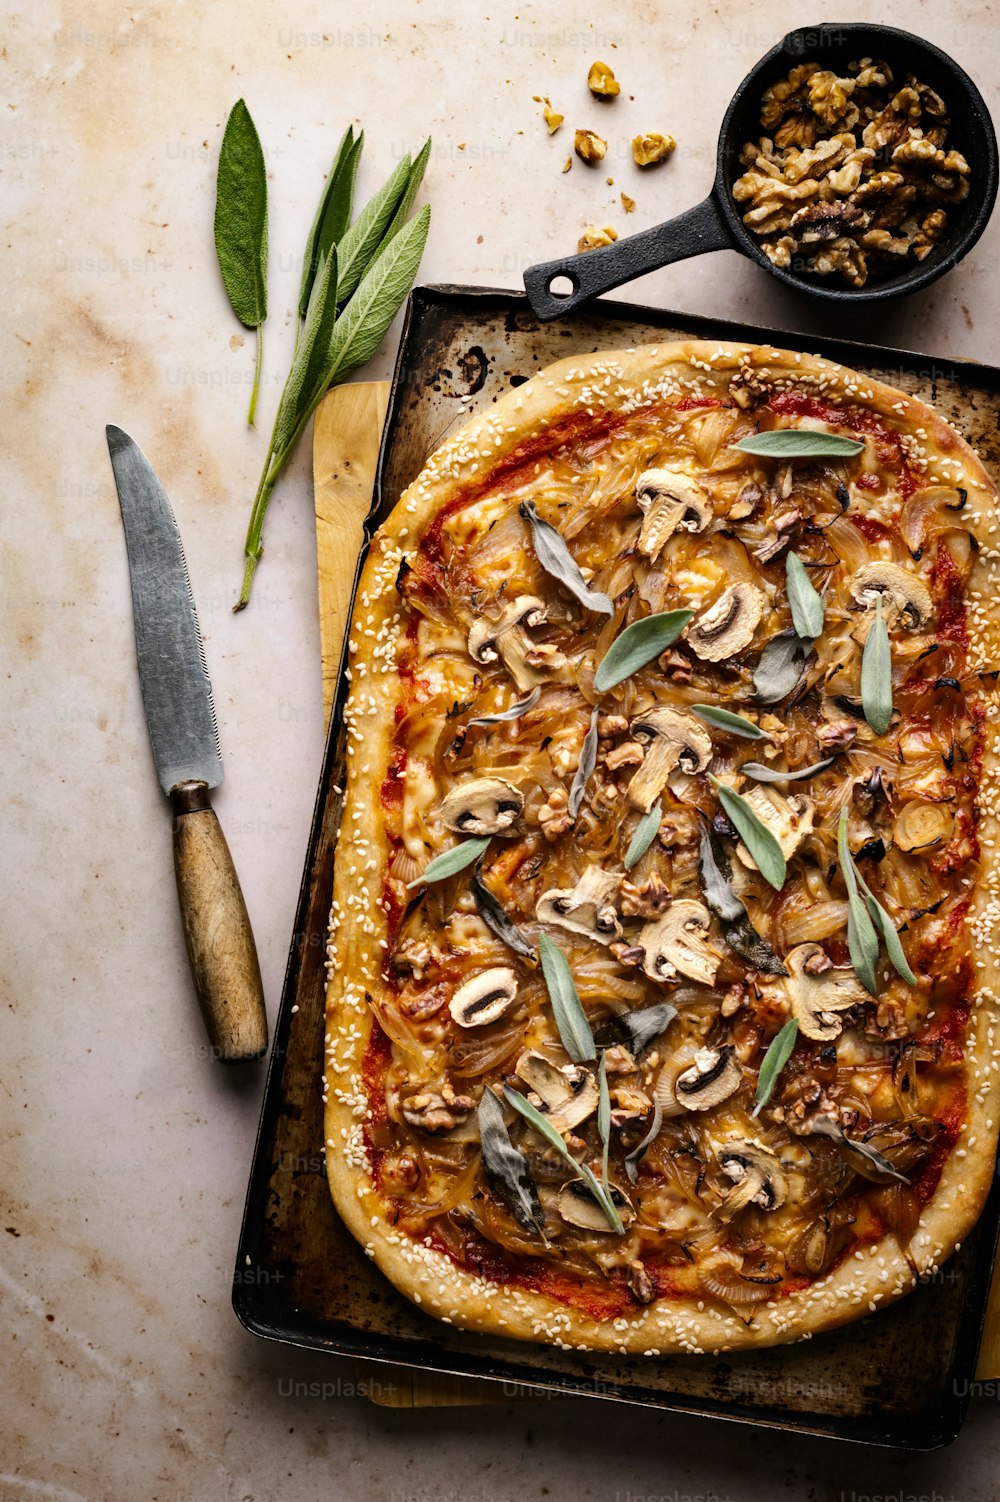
[618,1060]
[553,818]
[588,146]
[594,236]
[567,164]
[552,118]
[640,1284]
[647,901]
[602,82]
[628,754]
[736,997]
[628,204]
[435,1111]
[610,725]
[652,148]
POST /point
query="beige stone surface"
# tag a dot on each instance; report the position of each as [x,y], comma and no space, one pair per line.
[126,1149]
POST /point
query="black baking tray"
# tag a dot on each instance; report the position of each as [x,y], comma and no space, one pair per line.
[900,1379]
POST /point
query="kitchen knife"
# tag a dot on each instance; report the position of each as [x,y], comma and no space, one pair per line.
[182,727]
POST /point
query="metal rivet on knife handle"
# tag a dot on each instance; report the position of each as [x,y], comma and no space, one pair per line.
[217,930]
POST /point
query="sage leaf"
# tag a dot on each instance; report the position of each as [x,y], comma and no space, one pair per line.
[645,834]
[724,719]
[334,212]
[638,1029]
[779,1051]
[585,768]
[513,713]
[779,667]
[873,1157]
[241,228]
[413,182]
[799,443]
[737,930]
[507,1171]
[604,1119]
[637,645]
[567,1009]
[307,377]
[362,240]
[760,773]
[884,925]
[546,1130]
[758,839]
[497,919]
[451,861]
[805,601]
[362,325]
[557,560]
[862,940]
[876,674]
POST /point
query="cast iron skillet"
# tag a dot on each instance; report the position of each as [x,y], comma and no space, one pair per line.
[716,224]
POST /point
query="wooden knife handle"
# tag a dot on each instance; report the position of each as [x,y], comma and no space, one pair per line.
[217,929]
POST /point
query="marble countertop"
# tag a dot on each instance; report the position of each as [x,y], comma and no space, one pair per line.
[126,1149]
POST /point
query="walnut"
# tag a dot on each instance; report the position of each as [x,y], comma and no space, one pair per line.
[785,96]
[553,818]
[588,146]
[818,160]
[602,82]
[889,1021]
[435,1111]
[618,1060]
[402,1170]
[610,725]
[652,148]
[629,1107]
[737,996]
[551,118]
[647,901]
[640,1284]
[844,256]
[828,96]
[628,754]
[829,221]
[675,666]
[594,236]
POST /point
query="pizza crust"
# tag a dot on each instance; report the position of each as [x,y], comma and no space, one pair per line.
[865,1281]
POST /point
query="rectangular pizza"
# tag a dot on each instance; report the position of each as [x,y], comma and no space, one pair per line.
[662,993]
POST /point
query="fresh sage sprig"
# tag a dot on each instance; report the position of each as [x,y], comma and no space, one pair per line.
[805,601]
[724,719]
[567,1009]
[760,773]
[739,933]
[862,900]
[645,834]
[604,1119]
[799,443]
[557,560]
[353,287]
[241,228]
[497,919]
[546,1130]
[862,940]
[779,667]
[637,645]
[755,835]
[451,861]
[876,674]
[779,1051]
[507,1170]
[585,768]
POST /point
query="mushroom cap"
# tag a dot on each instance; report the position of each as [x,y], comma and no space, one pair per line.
[816,999]
[484,634]
[789,819]
[697,1083]
[674,944]
[757,1174]
[669,499]
[484,998]
[728,625]
[588,908]
[905,598]
[578,1207]
[483,805]
[673,739]
[568,1092]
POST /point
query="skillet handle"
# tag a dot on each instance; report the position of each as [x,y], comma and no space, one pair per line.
[690,234]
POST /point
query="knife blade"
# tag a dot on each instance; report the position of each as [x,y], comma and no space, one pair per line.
[177,695]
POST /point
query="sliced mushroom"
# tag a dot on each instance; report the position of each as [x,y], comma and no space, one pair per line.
[508,639]
[578,1207]
[757,1175]
[485,998]
[788,819]
[588,908]
[672,739]
[819,990]
[567,1092]
[921,824]
[711,1076]
[483,805]
[675,944]
[905,599]
[669,499]
[726,627]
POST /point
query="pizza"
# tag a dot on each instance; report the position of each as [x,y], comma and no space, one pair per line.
[662,985]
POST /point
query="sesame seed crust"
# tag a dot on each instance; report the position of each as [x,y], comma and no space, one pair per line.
[623,382]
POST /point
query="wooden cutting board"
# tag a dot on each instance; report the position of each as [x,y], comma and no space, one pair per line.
[346,441]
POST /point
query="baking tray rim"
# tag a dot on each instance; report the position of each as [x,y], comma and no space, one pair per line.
[921,1432]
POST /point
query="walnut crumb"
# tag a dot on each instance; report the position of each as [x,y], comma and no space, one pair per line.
[649,149]
[602,82]
[589,146]
[594,236]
